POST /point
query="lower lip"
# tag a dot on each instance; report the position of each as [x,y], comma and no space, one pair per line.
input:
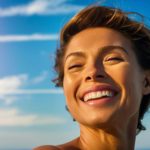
[101,101]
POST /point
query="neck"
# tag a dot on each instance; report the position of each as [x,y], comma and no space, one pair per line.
[114,138]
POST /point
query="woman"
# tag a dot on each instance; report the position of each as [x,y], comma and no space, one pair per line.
[103,67]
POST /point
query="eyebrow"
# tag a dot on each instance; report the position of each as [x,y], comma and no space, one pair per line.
[105,48]
[77,53]
[111,47]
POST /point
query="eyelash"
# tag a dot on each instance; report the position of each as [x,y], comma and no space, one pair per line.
[114,59]
[74,66]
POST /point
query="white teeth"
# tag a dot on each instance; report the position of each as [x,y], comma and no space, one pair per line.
[97,94]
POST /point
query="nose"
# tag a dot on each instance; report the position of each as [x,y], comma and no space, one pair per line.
[95,73]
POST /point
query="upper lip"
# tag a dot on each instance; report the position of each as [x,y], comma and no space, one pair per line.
[95,88]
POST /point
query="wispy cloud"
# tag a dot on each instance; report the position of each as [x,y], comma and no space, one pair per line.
[31,91]
[8,99]
[40,77]
[11,83]
[32,37]
[12,86]
[12,117]
[40,7]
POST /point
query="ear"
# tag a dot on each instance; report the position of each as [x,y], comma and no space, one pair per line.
[146,86]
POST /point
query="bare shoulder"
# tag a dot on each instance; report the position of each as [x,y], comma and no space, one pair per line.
[46,147]
[72,145]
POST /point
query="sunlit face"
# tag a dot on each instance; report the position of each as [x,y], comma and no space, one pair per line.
[102,79]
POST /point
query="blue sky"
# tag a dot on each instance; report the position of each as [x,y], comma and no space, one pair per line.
[32,110]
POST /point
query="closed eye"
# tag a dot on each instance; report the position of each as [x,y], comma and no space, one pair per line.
[114,59]
[75,66]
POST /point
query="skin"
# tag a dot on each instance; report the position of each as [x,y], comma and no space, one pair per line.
[95,57]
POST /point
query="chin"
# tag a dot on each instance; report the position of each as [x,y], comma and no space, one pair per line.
[100,121]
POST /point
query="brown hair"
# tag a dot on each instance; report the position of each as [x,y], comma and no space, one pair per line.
[100,16]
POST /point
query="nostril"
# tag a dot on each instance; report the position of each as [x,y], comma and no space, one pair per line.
[94,74]
[94,77]
[88,78]
[100,76]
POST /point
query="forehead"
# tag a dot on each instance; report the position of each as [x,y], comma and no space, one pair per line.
[96,38]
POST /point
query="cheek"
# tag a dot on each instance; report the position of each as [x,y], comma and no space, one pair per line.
[127,77]
[121,75]
[70,87]
[67,83]
[129,80]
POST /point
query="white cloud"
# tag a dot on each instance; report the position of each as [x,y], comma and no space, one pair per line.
[40,7]
[8,99]
[12,117]
[12,86]
[32,37]
[10,83]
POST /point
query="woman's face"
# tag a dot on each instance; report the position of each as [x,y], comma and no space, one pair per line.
[103,82]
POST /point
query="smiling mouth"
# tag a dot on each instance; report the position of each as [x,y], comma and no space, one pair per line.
[98,95]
